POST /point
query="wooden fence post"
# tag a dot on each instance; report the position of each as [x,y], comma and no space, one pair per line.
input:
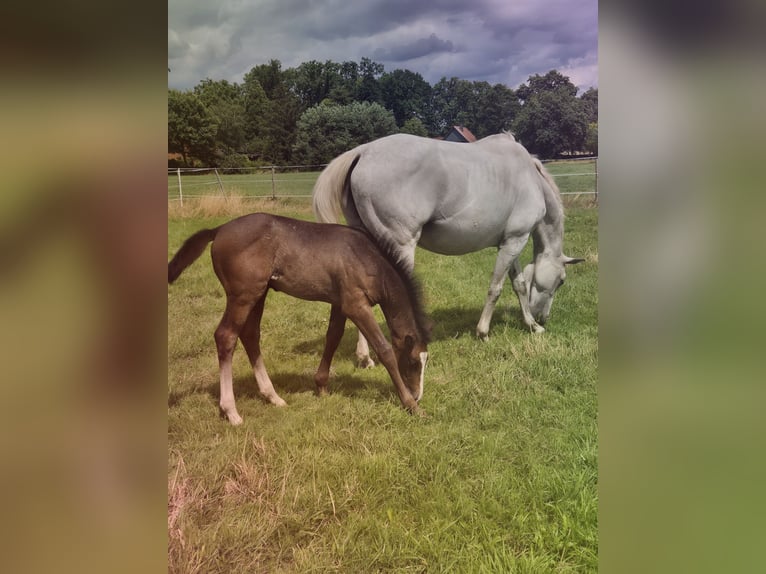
[596,170]
[220,183]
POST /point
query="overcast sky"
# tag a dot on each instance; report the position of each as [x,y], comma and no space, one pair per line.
[498,41]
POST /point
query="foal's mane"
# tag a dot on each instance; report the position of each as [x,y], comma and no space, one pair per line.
[411,285]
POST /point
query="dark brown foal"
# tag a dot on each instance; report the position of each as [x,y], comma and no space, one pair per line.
[317,262]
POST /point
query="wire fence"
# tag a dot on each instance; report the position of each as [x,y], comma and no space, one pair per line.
[574,177]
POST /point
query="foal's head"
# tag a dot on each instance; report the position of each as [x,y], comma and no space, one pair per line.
[411,357]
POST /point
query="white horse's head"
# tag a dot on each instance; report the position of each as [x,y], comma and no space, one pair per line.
[543,278]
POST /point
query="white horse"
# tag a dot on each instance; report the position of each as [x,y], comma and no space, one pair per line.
[454,198]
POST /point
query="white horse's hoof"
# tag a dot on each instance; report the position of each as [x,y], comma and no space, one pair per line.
[278,402]
[483,336]
[235,419]
[366,363]
[538,328]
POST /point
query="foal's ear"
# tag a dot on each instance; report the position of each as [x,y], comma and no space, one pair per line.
[572,260]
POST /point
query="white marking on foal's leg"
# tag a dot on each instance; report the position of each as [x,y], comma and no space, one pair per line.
[265,386]
[423,361]
[227,404]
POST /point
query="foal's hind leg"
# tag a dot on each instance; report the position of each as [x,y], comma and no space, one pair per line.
[334,335]
[251,340]
[234,318]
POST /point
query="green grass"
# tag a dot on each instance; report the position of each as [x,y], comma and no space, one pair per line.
[500,477]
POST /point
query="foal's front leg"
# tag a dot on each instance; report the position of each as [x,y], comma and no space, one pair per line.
[334,335]
[364,319]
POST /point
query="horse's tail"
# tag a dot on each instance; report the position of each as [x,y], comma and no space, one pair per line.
[189,252]
[331,186]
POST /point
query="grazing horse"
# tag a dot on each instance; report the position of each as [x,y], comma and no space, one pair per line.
[317,262]
[454,198]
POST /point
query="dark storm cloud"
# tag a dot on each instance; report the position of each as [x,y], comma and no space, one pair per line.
[491,40]
[422,47]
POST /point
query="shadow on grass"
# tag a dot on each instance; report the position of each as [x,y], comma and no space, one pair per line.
[294,383]
[454,322]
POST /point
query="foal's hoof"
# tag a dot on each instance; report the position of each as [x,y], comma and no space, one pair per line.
[536,328]
[365,363]
[235,419]
[417,411]
[483,336]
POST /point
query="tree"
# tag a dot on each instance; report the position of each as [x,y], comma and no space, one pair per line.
[312,82]
[590,104]
[328,130]
[415,127]
[495,109]
[225,103]
[406,94]
[368,89]
[191,129]
[273,121]
[552,120]
[451,104]
[591,140]
[257,107]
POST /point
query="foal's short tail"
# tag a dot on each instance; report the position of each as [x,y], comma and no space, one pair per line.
[189,252]
[331,185]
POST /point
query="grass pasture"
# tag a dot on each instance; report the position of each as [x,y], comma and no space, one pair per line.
[500,477]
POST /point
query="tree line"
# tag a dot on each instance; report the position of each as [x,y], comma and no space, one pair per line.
[312,113]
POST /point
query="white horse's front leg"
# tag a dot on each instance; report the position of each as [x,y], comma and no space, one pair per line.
[507,254]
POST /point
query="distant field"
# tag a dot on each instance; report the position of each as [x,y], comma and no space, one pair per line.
[501,476]
[571,176]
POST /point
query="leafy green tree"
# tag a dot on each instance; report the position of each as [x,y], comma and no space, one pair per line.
[415,127]
[368,89]
[328,130]
[496,108]
[552,119]
[312,82]
[451,104]
[257,107]
[406,94]
[191,128]
[591,140]
[225,103]
[272,121]
[344,91]
[590,104]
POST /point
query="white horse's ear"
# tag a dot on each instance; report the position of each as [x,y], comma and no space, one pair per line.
[572,260]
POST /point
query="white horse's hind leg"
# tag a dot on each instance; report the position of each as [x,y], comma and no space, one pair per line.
[363,360]
[507,254]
